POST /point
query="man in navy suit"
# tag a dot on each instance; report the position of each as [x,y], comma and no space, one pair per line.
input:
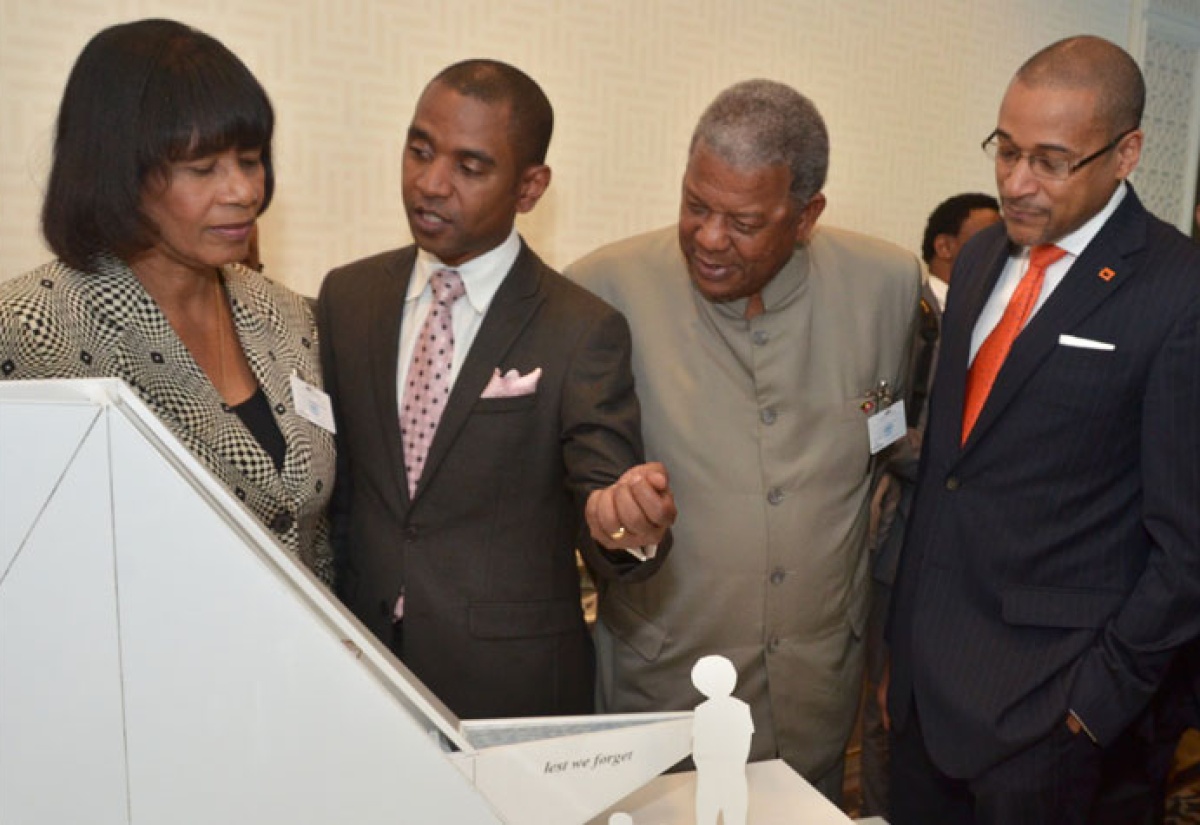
[1051,570]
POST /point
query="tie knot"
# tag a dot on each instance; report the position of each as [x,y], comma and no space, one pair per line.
[447,286]
[1045,255]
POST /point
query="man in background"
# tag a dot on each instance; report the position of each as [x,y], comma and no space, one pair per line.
[762,344]
[1051,570]
[951,224]
[482,402]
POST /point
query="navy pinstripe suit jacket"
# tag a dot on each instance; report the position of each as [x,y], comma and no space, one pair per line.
[1053,561]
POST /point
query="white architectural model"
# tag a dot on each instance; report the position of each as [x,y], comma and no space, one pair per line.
[162,660]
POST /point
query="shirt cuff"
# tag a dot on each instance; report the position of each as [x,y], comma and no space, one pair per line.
[1083,726]
[643,553]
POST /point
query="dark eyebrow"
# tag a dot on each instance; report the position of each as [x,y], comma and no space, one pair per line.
[692,198]
[477,155]
[746,217]
[1043,147]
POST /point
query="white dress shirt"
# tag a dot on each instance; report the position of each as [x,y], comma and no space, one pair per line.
[939,288]
[481,277]
[1073,244]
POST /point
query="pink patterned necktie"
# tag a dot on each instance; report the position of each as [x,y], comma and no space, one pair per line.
[429,375]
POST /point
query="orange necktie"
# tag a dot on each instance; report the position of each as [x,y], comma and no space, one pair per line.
[995,347]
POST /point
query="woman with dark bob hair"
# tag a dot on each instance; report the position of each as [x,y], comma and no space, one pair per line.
[162,165]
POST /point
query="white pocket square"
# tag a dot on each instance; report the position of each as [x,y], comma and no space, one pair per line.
[512,384]
[1084,343]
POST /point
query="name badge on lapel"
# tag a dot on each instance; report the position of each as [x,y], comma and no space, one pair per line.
[886,423]
[312,404]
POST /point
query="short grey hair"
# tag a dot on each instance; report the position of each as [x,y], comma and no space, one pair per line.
[760,123]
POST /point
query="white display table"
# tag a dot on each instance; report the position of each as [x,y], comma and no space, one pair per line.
[778,796]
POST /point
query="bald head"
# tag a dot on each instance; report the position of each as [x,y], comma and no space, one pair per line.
[1092,63]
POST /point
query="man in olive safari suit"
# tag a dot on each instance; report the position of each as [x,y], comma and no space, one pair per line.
[759,337]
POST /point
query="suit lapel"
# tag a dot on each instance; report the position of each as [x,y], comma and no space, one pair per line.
[263,327]
[510,311]
[191,409]
[255,340]
[963,309]
[1098,273]
[144,346]
[386,309]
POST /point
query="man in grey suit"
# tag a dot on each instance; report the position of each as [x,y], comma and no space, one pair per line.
[455,531]
[762,345]
[1052,565]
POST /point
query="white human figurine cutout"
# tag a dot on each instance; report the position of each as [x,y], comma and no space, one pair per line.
[721,733]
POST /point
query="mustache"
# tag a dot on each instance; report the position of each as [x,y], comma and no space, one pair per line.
[1025,204]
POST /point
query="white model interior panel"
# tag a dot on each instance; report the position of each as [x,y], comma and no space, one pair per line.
[162,661]
[267,715]
[36,444]
[61,746]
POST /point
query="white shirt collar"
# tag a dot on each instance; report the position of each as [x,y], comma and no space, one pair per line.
[1078,240]
[481,276]
[938,287]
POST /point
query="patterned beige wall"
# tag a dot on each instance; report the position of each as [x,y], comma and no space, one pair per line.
[909,88]
[1166,178]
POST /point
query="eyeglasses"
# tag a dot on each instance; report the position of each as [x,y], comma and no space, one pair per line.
[1042,165]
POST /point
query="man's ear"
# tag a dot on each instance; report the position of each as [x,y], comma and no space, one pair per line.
[1129,152]
[808,217]
[535,180]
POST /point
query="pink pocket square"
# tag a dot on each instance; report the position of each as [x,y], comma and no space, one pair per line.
[512,384]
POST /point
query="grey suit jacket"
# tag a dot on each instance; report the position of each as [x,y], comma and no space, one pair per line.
[1053,561]
[57,322]
[485,549]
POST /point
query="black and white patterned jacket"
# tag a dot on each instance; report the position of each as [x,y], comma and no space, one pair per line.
[58,322]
